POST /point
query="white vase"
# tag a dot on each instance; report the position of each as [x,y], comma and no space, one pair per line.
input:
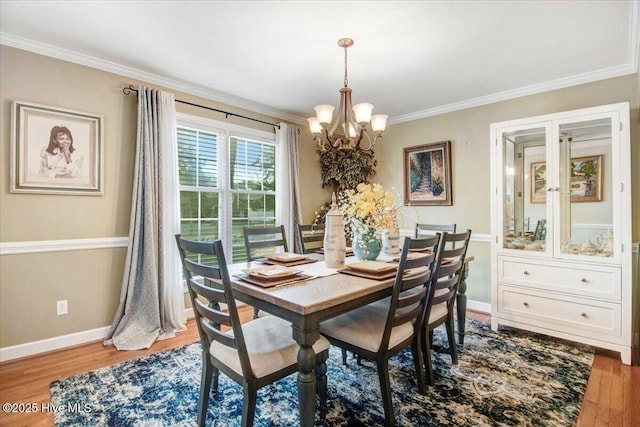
[335,243]
[391,241]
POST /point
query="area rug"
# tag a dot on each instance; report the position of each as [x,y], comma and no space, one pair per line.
[504,378]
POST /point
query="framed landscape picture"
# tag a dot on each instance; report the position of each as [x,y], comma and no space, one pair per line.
[55,150]
[586,180]
[427,175]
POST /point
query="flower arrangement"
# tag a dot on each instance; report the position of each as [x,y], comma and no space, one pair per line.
[368,205]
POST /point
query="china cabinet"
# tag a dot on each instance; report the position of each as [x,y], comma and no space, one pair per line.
[561,226]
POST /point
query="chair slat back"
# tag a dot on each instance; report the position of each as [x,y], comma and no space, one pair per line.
[209,286]
[258,239]
[424,230]
[444,284]
[410,288]
[311,238]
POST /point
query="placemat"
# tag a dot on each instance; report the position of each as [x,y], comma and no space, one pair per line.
[290,263]
[269,283]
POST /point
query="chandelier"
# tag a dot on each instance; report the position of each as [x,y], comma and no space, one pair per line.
[347,130]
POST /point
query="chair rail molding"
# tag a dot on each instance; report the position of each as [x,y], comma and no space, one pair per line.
[31,247]
[475,237]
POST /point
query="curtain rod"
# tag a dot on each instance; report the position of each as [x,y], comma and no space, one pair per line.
[127,91]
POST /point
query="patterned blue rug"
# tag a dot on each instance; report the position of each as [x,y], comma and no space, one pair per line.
[507,378]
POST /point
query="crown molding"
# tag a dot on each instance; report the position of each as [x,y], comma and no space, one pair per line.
[575,80]
[183,86]
[133,73]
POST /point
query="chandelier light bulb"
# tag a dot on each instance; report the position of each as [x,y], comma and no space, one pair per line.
[314,125]
[363,112]
[324,113]
[379,122]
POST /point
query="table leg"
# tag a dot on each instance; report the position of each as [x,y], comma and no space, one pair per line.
[461,304]
[306,376]
[306,385]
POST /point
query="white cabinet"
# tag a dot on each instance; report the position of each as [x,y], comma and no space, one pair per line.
[561,226]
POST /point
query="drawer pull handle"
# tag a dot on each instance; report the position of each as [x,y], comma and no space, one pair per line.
[526,273]
[584,314]
[584,280]
[526,304]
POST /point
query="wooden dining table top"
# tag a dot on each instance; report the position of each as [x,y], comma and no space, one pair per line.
[311,295]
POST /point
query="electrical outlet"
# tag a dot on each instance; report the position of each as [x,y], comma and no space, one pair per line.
[62,307]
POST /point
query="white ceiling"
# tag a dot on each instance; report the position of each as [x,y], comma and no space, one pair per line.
[410,59]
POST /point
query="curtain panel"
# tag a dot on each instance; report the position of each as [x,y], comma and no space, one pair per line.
[288,183]
[151,300]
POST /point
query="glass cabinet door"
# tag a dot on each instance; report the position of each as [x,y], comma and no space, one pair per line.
[584,187]
[524,191]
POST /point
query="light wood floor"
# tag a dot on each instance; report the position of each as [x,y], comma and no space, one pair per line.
[612,397]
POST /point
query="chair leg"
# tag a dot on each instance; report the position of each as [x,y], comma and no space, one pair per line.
[321,381]
[416,351]
[452,340]
[344,357]
[426,355]
[208,371]
[250,393]
[385,389]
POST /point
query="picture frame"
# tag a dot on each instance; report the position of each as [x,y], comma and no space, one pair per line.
[56,150]
[586,180]
[427,175]
[538,182]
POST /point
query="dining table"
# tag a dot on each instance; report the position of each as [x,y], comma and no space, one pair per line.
[323,293]
[326,293]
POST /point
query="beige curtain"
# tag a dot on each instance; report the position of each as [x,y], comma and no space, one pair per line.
[151,302]
[288,183]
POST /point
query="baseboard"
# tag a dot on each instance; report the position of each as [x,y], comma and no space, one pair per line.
[84,337]
[58,343]
[50,344]
[483,307]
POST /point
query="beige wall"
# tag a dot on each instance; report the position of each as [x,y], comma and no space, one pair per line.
[91,279]
[468,131]
[30,284]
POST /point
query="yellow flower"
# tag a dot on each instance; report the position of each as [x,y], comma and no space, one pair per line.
[369,205]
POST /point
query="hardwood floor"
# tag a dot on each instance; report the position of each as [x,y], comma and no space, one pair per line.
[612,397]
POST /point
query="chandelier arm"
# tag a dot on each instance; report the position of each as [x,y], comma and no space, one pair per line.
[336,120]
[371,144]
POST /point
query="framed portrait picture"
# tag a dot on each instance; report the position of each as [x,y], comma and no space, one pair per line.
[55,150]
[427,175]
[586,180]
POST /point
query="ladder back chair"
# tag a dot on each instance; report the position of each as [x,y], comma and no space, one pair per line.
[380,330]
[442,295]
[262,241]
[311,238]
[253,354]
[424,230]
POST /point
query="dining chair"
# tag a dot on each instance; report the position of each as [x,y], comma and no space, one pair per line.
[442,294]
[254,354]
[424,230]
[311,238]
[262,241]
[378,331]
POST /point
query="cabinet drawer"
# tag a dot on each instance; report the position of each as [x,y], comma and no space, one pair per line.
[577,279]
[587,318]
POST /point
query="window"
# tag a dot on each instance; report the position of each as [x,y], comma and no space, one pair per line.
[227,181]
